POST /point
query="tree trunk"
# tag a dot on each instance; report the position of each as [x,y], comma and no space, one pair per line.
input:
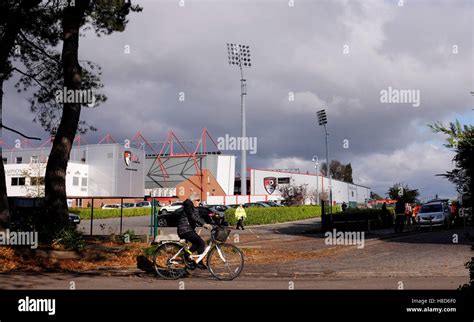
[11,28]
[55,177]
[4,209]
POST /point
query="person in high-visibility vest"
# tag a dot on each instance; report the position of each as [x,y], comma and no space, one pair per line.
[416,210]
[240,215]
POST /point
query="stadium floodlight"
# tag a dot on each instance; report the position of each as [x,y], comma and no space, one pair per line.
[239,55]
[316,166]
[322,121]
[322,118]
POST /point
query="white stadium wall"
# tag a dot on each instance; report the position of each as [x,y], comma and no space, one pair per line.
[76,177]
[238,199]
[110,175]
[226,173]
[342,191]
[94,170]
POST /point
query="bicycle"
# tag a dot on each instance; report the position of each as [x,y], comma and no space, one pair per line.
[170,261]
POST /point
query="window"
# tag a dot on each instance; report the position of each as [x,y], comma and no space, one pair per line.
[431,208]
[18,181]
[352,193]
[5,160]
[84,182]
[34,159]
[19,160]
[35,181]
[75,181]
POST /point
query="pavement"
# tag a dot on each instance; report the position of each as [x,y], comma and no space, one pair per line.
[62,281]
[294,254]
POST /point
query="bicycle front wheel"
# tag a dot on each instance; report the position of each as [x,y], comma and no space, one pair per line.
[169,262]
[225,262]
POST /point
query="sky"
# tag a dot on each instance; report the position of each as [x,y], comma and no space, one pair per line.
[306,56]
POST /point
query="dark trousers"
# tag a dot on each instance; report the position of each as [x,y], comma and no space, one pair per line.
[240,223]
[198,244]
[399,222]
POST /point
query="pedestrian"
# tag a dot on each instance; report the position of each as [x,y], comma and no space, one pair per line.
[399,215]
[387,217]
[344,206]
[408,213]
[240,215]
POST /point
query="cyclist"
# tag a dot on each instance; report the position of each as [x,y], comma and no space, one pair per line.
[188,220]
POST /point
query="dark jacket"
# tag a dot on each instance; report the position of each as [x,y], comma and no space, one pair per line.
[400,207]
[188,218]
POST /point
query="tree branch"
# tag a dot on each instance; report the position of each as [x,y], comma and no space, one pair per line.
[23,135]
[41,50]
[32,77]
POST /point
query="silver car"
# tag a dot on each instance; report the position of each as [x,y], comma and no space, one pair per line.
[435,213]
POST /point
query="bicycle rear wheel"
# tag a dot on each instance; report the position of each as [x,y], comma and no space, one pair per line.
[166,264]
[225,261]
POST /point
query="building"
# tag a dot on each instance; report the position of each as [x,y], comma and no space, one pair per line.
[178,170]
[269,182]
[136,169]
[99,170]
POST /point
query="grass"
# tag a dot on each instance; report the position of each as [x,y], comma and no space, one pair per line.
[85,213]
[273,215]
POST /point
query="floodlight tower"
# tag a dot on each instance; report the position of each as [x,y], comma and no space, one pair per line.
[322,121]
[316,159]
[240,55]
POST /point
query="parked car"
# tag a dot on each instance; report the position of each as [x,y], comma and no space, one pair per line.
[111,206]
[209,214]
[270,203]
[171,208]
[233,206]
[129,205]
[218,207]
[255,205]
[143,204]
[75,219]
[435,213]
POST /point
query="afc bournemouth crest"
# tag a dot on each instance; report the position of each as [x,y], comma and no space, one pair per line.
[127,157]
[270,184]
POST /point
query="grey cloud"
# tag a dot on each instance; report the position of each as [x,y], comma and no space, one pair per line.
[298,49]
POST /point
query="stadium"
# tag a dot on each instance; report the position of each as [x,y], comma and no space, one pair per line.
[168,170]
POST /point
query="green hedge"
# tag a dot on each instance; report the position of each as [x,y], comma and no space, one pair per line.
[99,213]
[262,216]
